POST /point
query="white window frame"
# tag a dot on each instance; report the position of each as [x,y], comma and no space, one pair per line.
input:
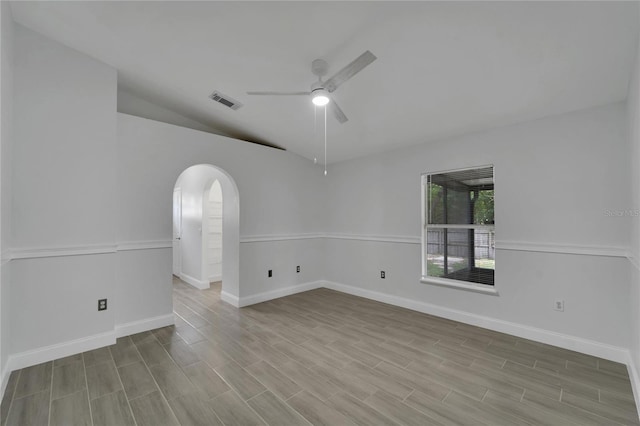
[448,282]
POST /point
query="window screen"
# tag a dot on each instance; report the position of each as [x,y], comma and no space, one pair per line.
[459,234]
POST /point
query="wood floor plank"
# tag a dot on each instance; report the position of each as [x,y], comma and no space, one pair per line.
[96,356]
[167,334]
[71,410]
[181,353]
[241,381]
[143,337]
[513,406]
[398,411]
[34,379]
[205,379]
[274,380]
[355,353]
[189,334]
[414,380]
[298,354]
[346,381]
[210,354]
[599,379]
[613,367]
[383,353]
[232,410]
[275,412]
[123,352]
[269,353]
[357,411]
[488,381]
[32,409]
[171,380]
[68,378]
[67,360]
[485,413]
[8,396]
[438,411]
[102,379]
[326,353]
[568,412]
[317,412]
[137,380]
[112,409]
[152,410]
[153,353]
[311,381]
[461,384]
[195,410]
[603,410]
[525,377]
[378,379]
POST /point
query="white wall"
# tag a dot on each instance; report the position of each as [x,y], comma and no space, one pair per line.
[63,193]
[91,195]
[6,141]
[633,131]
[281,195]
[555,178]
[214,233]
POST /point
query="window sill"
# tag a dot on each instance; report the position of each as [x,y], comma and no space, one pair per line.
[461,285]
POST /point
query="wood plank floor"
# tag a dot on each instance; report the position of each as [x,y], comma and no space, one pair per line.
[319,357]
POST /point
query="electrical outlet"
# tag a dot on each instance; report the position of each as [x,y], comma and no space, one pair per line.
[559,305]
[297,268]
[382,275]
[102,304]
[270,273]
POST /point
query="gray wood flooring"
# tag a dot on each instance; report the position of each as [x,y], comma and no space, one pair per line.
[322,358]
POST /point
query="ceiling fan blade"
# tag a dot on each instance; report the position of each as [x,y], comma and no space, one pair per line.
[349,71]
[337,112]
[279,93]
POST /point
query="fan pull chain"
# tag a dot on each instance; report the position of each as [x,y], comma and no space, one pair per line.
[315,130]
[325,140]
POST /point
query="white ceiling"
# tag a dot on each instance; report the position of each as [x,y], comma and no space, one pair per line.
[443,69]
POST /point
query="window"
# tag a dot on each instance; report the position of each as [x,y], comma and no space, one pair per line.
[459,237]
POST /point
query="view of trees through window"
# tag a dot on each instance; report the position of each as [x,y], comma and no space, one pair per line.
[460,237]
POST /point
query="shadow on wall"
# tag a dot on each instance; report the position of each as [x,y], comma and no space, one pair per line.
[191,198]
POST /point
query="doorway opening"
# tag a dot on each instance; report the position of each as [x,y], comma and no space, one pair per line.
[206,222]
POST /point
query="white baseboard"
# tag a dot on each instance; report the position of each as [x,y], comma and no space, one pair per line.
[215,278]
[72,347]
[5,380]
[590,347]
[134,327]
[280,292]
[59,350]
[230,299]
[202,285]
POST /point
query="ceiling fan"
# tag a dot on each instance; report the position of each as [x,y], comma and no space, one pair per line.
[321,90]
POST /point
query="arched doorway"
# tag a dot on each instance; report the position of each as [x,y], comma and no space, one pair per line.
[191,199]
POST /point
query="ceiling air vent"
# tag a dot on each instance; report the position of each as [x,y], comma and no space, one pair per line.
[225,100]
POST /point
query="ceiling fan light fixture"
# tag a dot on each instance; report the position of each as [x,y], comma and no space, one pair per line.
[320,97]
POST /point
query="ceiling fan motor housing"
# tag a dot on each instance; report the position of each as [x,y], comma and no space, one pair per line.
[319,67]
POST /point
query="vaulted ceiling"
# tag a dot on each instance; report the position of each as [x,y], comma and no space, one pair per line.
[443,68]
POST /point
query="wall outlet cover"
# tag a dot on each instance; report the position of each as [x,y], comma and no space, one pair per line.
[559,305]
